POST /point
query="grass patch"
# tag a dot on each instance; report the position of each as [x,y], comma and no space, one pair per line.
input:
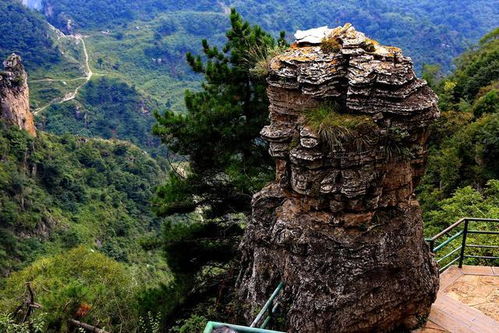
[337,129]
[261,57]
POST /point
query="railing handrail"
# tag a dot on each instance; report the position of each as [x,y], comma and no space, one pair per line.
[211,325]
[457,223]
[268,307]
[463,233]
[446,230]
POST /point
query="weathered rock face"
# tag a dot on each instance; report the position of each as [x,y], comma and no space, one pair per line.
[14,95]
[340,225]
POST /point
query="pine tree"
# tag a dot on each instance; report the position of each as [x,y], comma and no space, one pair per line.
[228,162]
[219,134]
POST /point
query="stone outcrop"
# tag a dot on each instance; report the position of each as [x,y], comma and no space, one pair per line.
[14,95]
[340,225]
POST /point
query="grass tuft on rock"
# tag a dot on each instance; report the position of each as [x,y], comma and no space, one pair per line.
[262,56]
[337,128]
[330,45]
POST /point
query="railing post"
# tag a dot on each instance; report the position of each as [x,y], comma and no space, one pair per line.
[432,245]
[463,245]
[271,312]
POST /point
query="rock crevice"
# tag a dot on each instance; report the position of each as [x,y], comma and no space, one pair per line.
[340,225]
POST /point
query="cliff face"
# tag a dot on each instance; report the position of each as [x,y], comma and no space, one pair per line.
[14,95]
[340,226]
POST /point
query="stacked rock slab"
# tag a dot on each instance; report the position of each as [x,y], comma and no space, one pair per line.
[14,95]
[340,225]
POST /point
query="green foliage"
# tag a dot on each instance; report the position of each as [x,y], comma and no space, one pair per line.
[8,325]
[467,158]
[192,246]
[432,74]
[149,323]
[195,323]
[477,73]
[488,103]
[25,32]
[220,131]
[478,67]
[175,196]
[200,256]
[80,283]
[463,164]
[66,191]
[466,202]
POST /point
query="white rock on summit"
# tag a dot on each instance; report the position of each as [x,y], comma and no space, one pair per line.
[312,36]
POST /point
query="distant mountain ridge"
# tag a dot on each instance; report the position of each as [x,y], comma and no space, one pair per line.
[431,31]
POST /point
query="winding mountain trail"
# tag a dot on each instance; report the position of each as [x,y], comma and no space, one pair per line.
[71,95]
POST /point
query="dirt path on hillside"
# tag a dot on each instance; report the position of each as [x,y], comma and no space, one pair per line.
[71,95]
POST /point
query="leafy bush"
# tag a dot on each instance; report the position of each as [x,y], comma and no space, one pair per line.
[66,283]
[8,325]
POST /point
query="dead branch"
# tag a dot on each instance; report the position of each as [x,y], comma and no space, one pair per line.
[28,305]
[87,327]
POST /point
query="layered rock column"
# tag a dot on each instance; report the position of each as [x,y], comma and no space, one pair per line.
[14,95]
[340,225]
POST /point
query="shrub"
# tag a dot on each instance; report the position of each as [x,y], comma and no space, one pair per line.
[67,283]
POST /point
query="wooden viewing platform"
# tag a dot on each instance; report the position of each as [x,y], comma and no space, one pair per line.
[467,302]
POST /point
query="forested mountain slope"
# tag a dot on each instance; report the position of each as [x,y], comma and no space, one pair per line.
[25,32]
[60,192]
[76,221]
[141,47]
[107,108]
[63,192]
[463,167]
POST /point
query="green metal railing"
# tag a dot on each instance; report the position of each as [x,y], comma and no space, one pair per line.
[262,319]
[458,254]
[212,325]
[448,235]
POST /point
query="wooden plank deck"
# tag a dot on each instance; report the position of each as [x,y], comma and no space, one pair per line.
[450,314]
